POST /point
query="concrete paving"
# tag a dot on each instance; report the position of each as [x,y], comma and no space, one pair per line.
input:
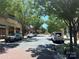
[16,54]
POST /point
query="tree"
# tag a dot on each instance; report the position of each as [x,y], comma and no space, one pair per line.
[55,24]
[11,7]
[34,21]
[68,10]
[3,6]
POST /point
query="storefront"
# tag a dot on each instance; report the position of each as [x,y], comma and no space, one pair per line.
[2,31]
[10,30]
[9,26]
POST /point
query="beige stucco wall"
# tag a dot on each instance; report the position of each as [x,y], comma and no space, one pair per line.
[10,22]
[3,21]
[13,23]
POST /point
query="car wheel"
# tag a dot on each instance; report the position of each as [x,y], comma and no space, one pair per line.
[20,38]
[6,40]
[29,36]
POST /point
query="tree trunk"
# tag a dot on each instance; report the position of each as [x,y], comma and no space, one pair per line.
[75,38]
[70,31]
[75,35]
[23,30]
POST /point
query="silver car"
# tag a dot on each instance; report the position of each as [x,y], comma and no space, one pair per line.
[12,38]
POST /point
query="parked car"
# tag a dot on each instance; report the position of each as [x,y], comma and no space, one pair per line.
[57,33]
[30,35]
[14,37]
[57,38]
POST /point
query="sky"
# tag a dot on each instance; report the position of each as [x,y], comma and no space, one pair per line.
[45,18]
[44,25]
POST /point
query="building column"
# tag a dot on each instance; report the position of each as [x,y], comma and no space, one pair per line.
[20,30]
[14,29]
[7,30]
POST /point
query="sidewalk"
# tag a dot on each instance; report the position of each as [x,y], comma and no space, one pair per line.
[68,41]
[16,53]
[2,40]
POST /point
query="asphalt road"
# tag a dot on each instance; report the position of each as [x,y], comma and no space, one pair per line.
[18,50]
[36,41]
[33,42]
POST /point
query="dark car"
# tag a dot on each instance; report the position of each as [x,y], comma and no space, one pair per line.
[57,38]
[12,38]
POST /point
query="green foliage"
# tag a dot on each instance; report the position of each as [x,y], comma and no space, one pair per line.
[3,6]
[63,8]
[61,48]
[12,7]
[55,24]
[35,21]
[17,8]
[66,9]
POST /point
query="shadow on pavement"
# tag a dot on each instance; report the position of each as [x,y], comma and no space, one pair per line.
[47,51]
[5,47]
[10,45]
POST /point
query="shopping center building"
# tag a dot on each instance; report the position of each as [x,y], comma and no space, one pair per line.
[9,26]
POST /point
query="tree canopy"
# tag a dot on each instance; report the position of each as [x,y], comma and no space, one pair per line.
[34,21]
[55,24]
[67,10]
[12,7]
